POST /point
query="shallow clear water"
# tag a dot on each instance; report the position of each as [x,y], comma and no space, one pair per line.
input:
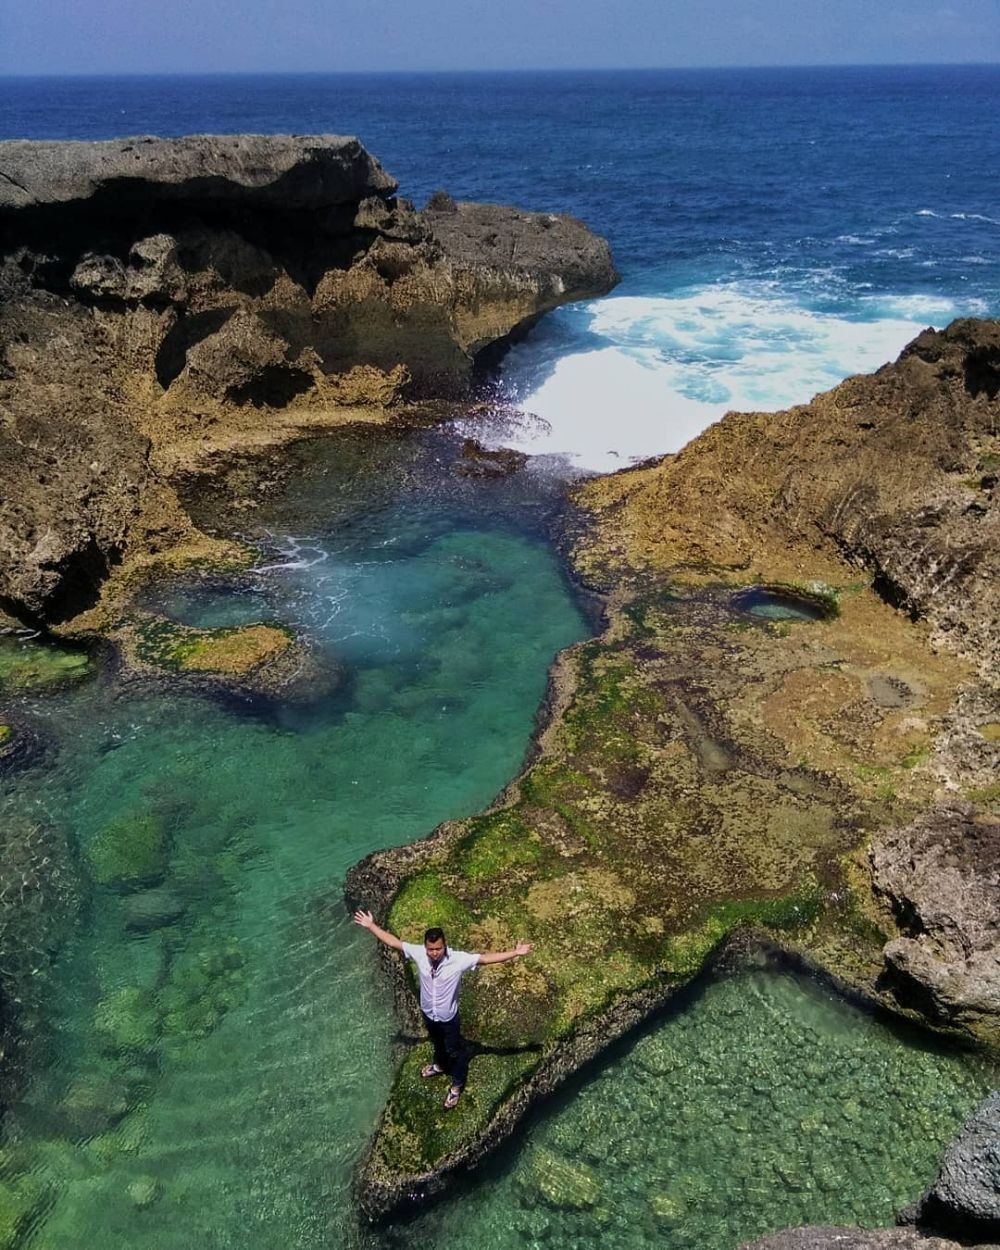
[247,1035]
[774,605]
[763,1102]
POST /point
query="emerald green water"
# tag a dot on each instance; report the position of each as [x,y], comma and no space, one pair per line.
[764,1102]
[214,1080]
[210,1052]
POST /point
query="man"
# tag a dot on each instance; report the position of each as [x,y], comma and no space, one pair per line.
[441,971]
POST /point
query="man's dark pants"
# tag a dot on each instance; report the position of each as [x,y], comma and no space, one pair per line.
[450,1052]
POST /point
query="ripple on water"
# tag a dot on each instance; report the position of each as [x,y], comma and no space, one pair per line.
[764,1102]
[217,1044]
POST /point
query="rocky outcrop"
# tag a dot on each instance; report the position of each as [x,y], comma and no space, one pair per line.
[940,878]
[162,300]
[821,1238]
[896,471]
[711,778]
[964,1199]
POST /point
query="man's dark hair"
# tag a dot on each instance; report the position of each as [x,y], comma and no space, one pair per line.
[434,935]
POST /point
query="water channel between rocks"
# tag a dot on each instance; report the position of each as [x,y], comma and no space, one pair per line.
[212,1080]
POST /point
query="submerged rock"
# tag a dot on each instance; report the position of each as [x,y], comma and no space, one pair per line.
[144,1191]
[21,1200]
[92,1105]
[129,852]
[564,1185]
[127,1021]
[153,909]
[29,665]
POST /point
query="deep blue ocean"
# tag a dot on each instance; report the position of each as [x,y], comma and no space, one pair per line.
[776,230]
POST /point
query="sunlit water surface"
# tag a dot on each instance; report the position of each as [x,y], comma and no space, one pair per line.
[762,1101]
[212,1081]
[249,1039]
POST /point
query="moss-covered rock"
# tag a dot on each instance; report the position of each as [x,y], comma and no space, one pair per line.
[205,982]
[258,659]
[129,852]
[29,665]
[697,783]
[127,1022]
[21,1201]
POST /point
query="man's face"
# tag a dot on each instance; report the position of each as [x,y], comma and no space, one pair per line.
[435,950]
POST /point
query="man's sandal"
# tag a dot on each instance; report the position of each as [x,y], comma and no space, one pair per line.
[454,1094]
[431,1069]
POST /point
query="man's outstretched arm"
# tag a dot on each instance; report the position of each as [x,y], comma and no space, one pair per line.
[501,957]
[367,921]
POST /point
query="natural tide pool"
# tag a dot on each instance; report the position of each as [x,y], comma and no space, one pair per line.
[216,1048]
[762,1100]
[211,1052]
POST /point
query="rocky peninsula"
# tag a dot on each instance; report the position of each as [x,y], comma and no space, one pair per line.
[165,303]
[786,734]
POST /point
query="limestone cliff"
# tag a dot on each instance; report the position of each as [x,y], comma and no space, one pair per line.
[165,299]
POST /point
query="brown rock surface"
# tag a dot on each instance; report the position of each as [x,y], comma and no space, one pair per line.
[163,301]
[818,1237]
[895,472]
[940,878]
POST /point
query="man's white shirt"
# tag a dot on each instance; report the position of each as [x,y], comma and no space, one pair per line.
[439,986]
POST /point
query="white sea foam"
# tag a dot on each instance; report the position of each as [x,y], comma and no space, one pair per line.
[657,371]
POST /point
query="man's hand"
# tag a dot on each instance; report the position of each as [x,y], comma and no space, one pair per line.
[501,957]
[367,921]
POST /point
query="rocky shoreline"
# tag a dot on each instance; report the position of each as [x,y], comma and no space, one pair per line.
[814,777]
[788,729]
[165,303]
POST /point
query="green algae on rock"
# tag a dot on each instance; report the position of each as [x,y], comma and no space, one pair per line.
[29,665]
[254,659]
[658,819]
[699,778]
[22,1200]
[129,852]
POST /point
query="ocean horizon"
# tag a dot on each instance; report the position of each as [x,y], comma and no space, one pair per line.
[776,229]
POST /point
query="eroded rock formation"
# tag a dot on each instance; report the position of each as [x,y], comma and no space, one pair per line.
[165,299]
[940,878]
[708,775]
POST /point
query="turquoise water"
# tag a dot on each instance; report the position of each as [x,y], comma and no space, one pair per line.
[212,1080]
[763,1102]
[776,605]
[211,1051]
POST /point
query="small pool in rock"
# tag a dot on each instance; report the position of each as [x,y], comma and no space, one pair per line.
[774,604]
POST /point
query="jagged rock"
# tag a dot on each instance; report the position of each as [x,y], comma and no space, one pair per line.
[824,1238]
[965,1197]
[480,461]
[940,877]
[164,298]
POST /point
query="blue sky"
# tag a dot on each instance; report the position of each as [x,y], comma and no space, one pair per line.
[198,36]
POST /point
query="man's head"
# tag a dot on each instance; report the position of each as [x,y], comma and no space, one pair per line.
[435,945]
